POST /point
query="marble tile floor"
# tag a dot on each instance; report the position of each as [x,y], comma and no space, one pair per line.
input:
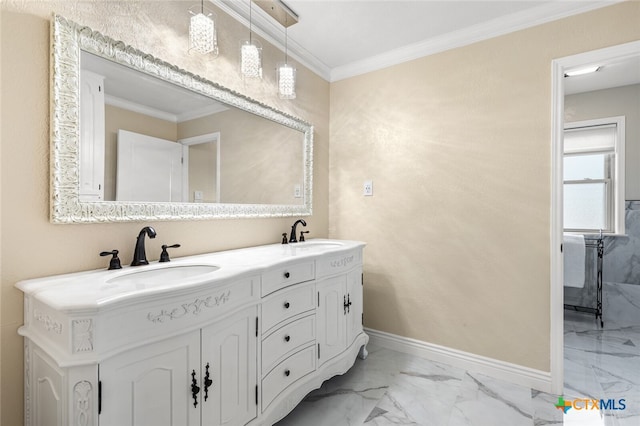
[392,388]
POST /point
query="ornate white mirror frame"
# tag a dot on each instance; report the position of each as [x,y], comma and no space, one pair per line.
[68,40]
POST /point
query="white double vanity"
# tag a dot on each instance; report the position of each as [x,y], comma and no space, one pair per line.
[228,338]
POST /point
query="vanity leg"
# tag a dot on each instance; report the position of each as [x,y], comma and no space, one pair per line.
[363,353]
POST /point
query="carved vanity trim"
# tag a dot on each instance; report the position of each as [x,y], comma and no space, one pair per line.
[193,308]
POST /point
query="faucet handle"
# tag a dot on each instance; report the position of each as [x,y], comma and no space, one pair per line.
[164,256]
[284,238]
[301,239]
[115,261]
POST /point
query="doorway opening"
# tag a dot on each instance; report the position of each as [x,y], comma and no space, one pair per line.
[560,67]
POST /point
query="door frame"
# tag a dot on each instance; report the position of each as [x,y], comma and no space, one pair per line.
[196,140]
[558,68]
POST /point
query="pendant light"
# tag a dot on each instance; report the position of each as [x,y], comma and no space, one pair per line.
[250,55]
[286,74]
[202,31]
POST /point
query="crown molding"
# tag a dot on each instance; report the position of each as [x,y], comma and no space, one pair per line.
[267,28]
[202,112]
[515,22]
[140,109]
[164,115]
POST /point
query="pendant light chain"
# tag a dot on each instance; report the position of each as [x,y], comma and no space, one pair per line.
[286,39]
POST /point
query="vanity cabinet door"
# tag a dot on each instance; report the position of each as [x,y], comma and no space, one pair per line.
[150,385]
[354,309]
[331,317]
[229,351]
[339,313]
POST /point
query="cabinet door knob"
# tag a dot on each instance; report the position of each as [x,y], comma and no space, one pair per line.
[287,275]
[286,305]
[287,372]
[287,338]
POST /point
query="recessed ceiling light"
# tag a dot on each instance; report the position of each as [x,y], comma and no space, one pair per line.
[582,71]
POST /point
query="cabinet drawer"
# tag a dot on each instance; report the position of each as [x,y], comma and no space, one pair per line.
[284,276]
[339,262]
[288,371]
[287,339]
[287,303]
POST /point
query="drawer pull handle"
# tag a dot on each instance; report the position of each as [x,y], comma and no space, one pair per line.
[287,275]
[286,305]
[287,338]
[287,372]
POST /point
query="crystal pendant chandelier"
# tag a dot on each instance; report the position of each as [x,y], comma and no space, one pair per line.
[286,75]
[202,31]
[250,55]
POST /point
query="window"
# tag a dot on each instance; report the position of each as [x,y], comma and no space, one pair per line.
[594,176]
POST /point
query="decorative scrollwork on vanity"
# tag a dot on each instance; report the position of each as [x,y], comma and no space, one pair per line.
[49,323]
[194,308]
[27,382]
[82,335]
[340,263]
[82,396]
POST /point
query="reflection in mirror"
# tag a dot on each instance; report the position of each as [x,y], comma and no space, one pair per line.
[202,154]
[140,139]
[146,123]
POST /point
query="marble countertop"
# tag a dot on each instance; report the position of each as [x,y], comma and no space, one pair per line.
[100,288]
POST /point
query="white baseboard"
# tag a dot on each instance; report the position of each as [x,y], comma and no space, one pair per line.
[513,373]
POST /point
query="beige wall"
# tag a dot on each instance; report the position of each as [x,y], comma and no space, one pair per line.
[202,171]
[619,101]
[260,161]
[458,145]
[33,247]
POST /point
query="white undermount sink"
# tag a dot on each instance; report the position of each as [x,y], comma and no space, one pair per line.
[163,276]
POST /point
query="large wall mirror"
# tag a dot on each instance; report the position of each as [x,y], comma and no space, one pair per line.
[135,138]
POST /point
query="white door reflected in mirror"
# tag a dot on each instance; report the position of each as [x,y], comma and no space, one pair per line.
[148,168]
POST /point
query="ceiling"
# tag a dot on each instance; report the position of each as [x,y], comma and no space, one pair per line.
[135,91]
[363,39]
[338,39]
